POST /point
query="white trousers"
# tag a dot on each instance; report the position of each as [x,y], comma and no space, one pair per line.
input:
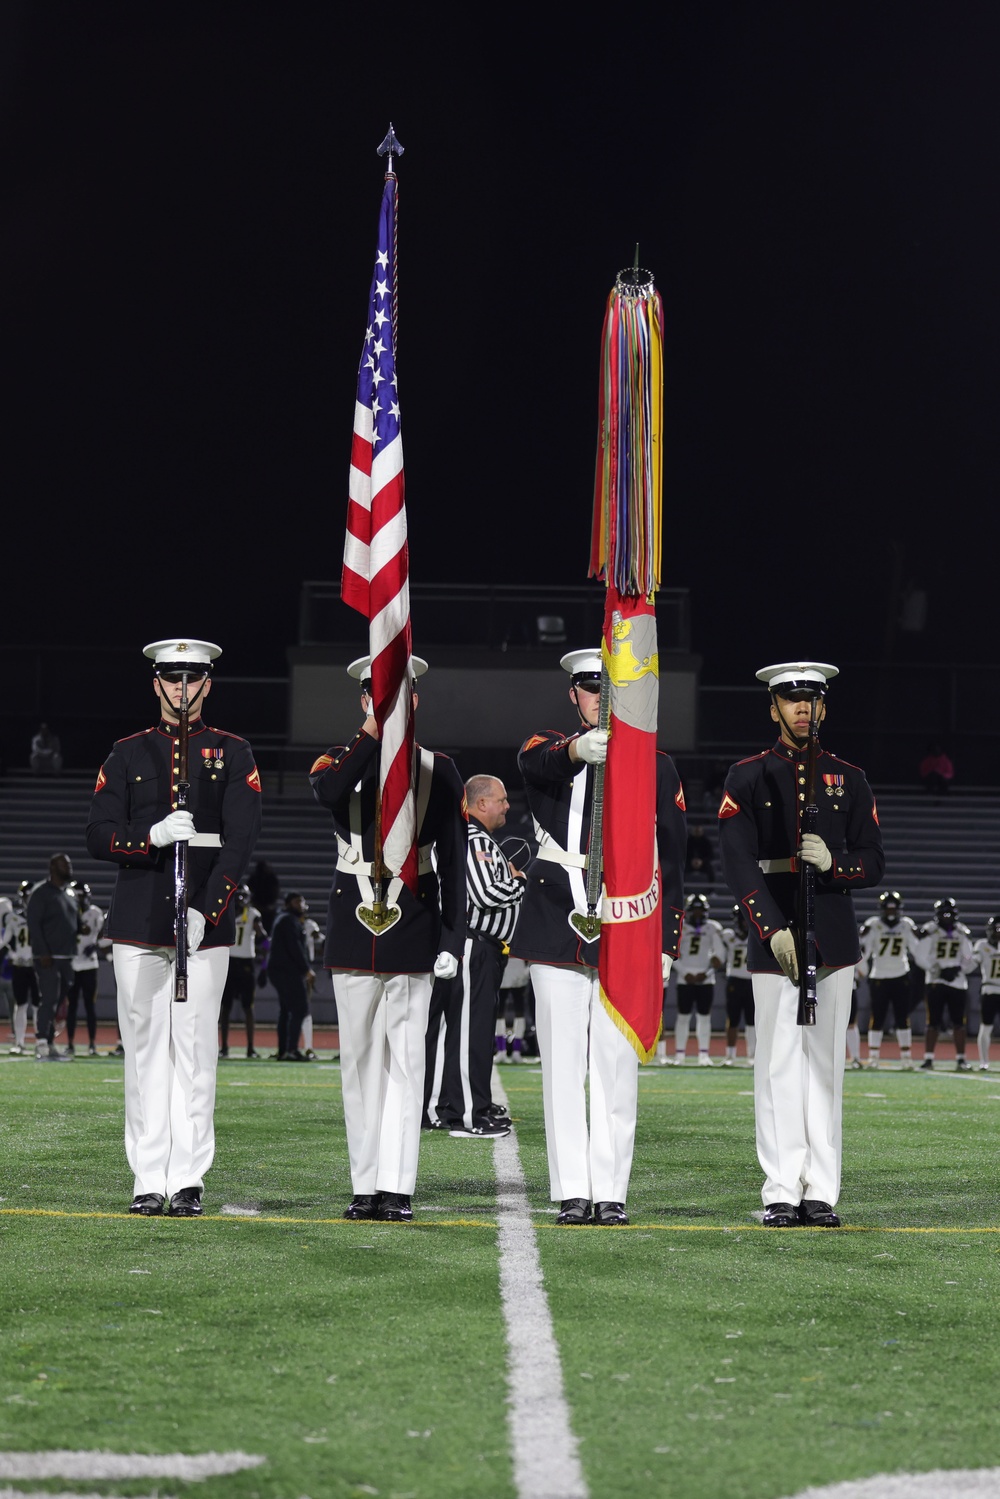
[576,1036]
[798,1083]
[382,1019]
[171,1056]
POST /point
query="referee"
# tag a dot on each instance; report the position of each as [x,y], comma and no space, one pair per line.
[458,1093]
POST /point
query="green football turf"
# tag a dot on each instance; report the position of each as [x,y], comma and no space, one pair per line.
[702,1354]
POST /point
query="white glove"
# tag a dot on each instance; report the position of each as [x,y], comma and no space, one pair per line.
[783,947]
[176,827]
[196,925]
[666,963]
[815,851]
[592,747]
[445,965]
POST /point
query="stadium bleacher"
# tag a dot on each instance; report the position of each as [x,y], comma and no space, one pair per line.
[934,847]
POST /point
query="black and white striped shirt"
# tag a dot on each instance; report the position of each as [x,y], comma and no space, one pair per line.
[494,893]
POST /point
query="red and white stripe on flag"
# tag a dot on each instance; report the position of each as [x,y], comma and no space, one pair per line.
[375,578]
[629,965]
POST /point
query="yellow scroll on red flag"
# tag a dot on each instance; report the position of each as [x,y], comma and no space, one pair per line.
[629,965]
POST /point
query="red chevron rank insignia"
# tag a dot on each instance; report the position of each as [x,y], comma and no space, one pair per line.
[729,808]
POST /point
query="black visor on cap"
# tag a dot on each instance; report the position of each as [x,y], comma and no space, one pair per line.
[177,671]
[588,681]
[799,692]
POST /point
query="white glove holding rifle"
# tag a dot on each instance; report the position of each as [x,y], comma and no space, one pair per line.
[176,827]
[196,929]
[815,851]
[591,748]
[783,948]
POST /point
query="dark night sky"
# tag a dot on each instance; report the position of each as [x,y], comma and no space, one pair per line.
[191,195]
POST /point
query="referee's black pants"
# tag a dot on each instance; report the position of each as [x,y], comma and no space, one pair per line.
[467,1004]
[293,1007]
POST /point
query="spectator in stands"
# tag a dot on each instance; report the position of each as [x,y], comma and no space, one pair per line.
[46,752]
[698,865]
[53,927]
[241,979]
[289,971]
[715,785]
[85,964]
[936,770]
[265,892]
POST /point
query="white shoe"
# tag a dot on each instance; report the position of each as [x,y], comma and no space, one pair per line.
[855,1065]
[906,1065]
[984,1066]
[704,1060]
[873,1064]
[679,1061]
[729,1062]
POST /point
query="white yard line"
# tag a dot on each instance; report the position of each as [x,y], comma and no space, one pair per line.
[546,1459]
[950,1483]
[123,1465]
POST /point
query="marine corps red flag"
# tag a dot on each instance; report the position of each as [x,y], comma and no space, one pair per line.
[375,578]
[626,554]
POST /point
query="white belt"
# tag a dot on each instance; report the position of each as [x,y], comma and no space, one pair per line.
[348,859]
[556,855]
[204,840]
[779,866]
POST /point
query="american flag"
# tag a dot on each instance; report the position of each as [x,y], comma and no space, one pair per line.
[376,561]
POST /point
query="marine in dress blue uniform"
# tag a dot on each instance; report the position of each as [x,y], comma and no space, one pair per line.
[589,1160]
[798,1070]
[383,982]
[171,1050]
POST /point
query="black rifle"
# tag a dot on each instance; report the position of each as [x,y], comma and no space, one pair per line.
[181,856]
[806,934]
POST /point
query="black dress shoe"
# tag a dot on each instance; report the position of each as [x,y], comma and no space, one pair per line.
[186,1203]
[483,1129]
[574,1211]
[781,1215]
[816,1214]
[610,1214]
[363,1205]
[394,1207]
[147,1204]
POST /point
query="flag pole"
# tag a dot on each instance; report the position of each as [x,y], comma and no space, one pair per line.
[613,541]
[377,916]
[375,578]
[623,874]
